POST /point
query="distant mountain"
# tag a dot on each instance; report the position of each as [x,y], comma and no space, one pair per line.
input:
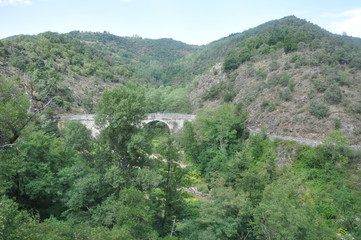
[77,66]
[293,77]
[146,57]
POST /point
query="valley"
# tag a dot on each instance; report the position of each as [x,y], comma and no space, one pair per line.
[252,136]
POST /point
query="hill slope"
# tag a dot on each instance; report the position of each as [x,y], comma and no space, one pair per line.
[293,77]
[77,66]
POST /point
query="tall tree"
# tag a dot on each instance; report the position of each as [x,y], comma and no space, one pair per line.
[14,105]
[119,113]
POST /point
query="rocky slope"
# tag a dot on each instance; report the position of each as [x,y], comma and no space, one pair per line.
[305,92]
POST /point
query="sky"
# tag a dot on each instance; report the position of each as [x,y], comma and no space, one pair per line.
[191,21]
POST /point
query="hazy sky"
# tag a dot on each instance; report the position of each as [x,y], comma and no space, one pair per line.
[190,21]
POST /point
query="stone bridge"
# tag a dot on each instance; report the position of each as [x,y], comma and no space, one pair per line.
[174,121]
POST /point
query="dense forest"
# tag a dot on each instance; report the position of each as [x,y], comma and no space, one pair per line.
[213,179]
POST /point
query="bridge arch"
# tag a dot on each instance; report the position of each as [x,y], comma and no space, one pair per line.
[148,122]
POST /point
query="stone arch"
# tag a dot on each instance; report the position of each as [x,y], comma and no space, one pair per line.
[145,122]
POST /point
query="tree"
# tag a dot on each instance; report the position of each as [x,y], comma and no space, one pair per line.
[37,184]
[226,216]
[283,215]
[222,126]
[14,106]
[119,113]
[76,136]
[129,211]
[15,224]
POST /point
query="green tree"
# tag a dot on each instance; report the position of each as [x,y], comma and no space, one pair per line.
[222,126]
[227,216]
[76,136]
[37,185]
[119,113]
[14,223]
[129,211]
[283,215]
[14,105]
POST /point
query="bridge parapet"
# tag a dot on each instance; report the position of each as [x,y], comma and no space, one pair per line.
[175,121]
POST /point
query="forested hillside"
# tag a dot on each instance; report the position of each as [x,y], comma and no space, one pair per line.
[76,67]
[213,179]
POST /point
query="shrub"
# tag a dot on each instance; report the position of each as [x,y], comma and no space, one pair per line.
[291,85]
[228,96]
[274,66]
[320,85]
[345,78]
[261,75]
[282,79]
[286,94]
[268,105]
[319,109]
[214,91]
[333,94]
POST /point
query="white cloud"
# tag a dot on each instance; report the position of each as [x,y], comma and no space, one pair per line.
[14,2]
[348,21]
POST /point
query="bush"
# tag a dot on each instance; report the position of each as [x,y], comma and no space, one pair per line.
[319,109]
[333,94]
[282,79]
[268,105]
[320,85]
[274,66]
[228,96]
[214,91]
[261,75]
[286,94]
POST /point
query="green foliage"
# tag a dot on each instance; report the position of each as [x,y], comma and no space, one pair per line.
[14,105]
[280,215]
[221,126]
[227,216]
[214,92]
[235,58]
[129,211]
[76,136]
[268,105]
[318,109]
[15,224]
[43,158]
[119,112]
[167,99]
[333,94]
[320,85]
[273,66]
[282,79]
[286,94]
[228,96]
[127,183]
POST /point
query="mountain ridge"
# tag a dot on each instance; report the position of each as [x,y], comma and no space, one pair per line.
[292,76]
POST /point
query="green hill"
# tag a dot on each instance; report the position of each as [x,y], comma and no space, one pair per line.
[218,178]
[294,77]
[77,66]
